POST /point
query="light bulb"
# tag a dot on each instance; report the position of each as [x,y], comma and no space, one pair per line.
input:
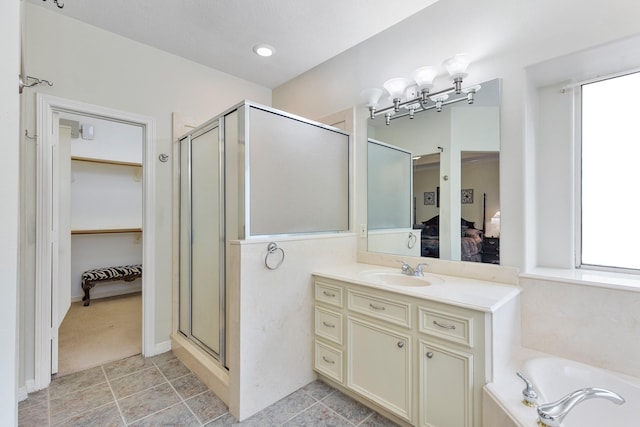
[372,95]
[264,50]
[457,65]
[396,87]
[424,77]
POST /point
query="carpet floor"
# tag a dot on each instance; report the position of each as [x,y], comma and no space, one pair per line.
[109,329]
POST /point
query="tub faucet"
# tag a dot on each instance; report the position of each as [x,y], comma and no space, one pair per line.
[529,395]
[552,414]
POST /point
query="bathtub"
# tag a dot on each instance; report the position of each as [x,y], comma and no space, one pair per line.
[553,378]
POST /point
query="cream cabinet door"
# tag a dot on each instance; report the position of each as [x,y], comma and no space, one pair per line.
[446,398]
[379,365]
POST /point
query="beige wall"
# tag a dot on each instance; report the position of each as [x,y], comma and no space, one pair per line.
[481,176]
[9,219]
[96,67]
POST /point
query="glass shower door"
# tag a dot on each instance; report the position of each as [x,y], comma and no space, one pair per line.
[202,240]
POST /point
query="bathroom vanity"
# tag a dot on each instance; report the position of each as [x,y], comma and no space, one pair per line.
[417,348]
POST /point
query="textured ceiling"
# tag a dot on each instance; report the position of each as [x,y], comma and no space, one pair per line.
[221,33]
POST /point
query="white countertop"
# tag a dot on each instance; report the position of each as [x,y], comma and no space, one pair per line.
[468,293]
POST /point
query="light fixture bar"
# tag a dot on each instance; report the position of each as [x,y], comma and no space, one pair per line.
[415,100]
[423,108]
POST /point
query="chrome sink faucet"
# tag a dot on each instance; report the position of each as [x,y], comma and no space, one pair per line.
[409,271]
[552,414]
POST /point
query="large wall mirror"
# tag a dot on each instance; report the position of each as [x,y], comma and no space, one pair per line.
[454,196]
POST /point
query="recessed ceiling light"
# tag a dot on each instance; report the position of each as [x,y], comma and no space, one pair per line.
[264,49]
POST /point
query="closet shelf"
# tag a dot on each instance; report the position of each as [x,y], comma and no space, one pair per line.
[106,230]
[109,162]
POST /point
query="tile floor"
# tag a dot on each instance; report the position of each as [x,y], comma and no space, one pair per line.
[161,391]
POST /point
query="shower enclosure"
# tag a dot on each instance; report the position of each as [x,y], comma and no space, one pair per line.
[250,173]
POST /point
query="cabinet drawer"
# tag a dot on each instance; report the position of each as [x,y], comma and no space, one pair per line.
[446,325]
[328,325]
[328,361]
[382,308]
[329,294]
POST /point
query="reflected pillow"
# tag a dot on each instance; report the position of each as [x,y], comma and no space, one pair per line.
[472,232]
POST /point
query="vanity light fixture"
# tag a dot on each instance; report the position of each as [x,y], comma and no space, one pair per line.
[263,50]
[60,5]
[414,95]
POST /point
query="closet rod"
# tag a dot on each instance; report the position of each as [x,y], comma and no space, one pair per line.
[107,230]
[109,162]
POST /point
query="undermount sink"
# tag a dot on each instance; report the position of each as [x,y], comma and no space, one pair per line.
[399,279]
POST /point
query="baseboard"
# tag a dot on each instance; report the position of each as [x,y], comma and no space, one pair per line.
[21,394]
[162,347]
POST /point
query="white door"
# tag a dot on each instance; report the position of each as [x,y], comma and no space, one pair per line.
[61,231]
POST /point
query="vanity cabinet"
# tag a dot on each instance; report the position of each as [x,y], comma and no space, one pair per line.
[379,365]
[419,360]
[446,382]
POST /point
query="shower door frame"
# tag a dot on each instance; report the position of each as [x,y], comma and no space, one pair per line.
[188,139]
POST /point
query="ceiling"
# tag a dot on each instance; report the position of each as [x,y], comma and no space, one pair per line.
[221,33]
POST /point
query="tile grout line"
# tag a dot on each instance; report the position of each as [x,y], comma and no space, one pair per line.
[154,413]
[199,394]
[334,391]
[179,395]
[69,417]
[365,419]
[299,413]
[115,400]
[317,402]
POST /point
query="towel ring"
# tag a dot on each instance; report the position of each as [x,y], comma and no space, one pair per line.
[412,240]
[271,249]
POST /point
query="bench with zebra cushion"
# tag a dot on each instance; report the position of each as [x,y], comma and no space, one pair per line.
[90,278]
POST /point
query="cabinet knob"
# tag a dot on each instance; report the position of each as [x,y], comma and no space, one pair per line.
[429,355]
[400,344]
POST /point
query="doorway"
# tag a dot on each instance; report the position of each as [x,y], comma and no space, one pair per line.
[100,205]
[51,249]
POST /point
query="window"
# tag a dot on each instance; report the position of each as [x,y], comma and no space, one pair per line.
[610,193]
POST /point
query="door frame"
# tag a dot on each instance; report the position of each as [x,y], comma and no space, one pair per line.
[46,239]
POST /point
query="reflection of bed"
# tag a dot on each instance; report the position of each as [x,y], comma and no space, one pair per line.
[471,240]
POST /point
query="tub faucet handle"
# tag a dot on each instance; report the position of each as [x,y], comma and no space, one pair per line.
[530,397]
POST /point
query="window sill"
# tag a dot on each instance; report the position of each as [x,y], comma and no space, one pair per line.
[600,279]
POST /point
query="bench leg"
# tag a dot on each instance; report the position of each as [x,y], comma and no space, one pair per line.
[86,287]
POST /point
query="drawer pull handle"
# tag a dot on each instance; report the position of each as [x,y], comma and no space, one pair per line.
[377,307]
[328,325]
[400,344]
[328,360]
[435,322]
[429,355]
[328,294]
